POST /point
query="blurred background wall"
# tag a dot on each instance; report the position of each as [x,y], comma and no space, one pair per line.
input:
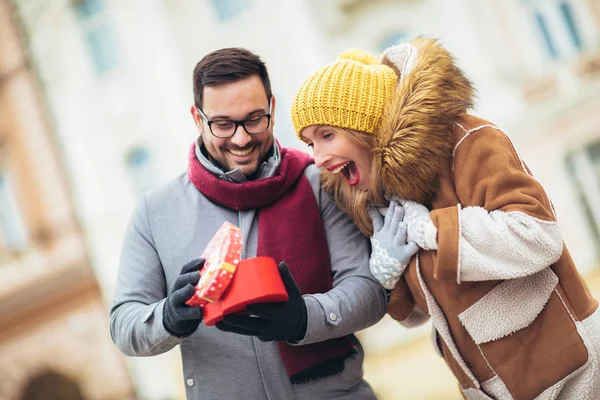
[94,110]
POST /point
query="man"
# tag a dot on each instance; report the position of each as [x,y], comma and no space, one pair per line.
[299,349]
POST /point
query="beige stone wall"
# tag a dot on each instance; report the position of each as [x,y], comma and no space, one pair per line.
[71,339]
[30,154]
[594,5]
[52,317]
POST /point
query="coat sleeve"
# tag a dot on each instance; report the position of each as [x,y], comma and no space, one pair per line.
[136,325]
[504,226]
[403,308]
[357,300]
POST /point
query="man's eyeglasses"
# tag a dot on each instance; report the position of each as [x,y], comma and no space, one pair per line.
[224,128]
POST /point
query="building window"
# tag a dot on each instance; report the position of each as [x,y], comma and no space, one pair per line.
[227,9]
[100,38]
[545,33]
[101,44]
[88,8]
[12,227]
[569,19]
[140,168]
[584,167]
[557,25]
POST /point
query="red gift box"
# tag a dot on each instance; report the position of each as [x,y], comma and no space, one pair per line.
[222,255]
[256,280]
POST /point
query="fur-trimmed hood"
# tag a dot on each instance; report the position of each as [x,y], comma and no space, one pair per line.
[415,136]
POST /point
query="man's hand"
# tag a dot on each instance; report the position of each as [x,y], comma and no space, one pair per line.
[391,252]
[180,319]
[281,322]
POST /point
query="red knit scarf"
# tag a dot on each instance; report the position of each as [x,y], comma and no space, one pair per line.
[289,229]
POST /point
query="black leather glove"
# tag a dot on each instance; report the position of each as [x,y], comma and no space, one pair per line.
[282,322]
[180,319]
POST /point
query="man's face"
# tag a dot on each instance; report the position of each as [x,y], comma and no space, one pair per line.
[236,101]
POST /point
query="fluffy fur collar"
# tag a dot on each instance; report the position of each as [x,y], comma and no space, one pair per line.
[415,137]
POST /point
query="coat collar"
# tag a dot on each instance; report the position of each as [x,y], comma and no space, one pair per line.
[415,136]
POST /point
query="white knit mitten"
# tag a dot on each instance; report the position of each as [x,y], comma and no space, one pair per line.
[421,229]
[390,251]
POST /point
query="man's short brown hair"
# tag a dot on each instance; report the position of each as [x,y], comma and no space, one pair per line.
[226,66]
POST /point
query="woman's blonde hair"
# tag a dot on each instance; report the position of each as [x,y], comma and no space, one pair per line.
[351,200]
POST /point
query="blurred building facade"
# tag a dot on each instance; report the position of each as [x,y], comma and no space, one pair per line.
[117,80]
[52,317]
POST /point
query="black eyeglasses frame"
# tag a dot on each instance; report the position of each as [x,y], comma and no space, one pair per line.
[237,123]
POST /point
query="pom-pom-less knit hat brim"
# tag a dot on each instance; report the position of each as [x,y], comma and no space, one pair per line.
[348,93]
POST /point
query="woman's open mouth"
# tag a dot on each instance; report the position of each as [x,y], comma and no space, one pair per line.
[348,170]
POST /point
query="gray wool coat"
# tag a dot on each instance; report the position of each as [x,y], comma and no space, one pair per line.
[172,225]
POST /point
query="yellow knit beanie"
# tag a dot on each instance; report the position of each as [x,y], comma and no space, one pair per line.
[348,93]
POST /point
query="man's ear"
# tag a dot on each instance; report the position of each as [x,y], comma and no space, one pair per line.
[196,115]
[273,101]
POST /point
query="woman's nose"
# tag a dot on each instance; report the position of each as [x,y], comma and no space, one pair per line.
[320,158]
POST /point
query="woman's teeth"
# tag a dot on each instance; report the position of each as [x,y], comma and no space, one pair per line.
[338,169]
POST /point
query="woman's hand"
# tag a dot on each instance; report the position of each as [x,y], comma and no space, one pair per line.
[420,228]
[391,252]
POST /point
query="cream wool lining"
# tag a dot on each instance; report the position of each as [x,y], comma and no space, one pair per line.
[475,394]
[510,306]
[496,388]
[403,57]
[505,245]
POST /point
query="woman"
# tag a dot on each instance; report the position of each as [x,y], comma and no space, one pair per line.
[512,317]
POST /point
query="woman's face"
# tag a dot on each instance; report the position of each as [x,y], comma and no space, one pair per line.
[334,150]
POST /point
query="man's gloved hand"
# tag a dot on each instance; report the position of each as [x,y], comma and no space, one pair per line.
[421,229]
[180,319]
[390,251]
[281,322]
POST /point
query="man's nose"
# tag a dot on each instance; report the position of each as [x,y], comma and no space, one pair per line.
[240,137]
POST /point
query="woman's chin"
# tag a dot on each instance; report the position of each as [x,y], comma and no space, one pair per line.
[363,186]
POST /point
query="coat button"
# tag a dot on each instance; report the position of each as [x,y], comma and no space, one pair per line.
[332,316]
[190,382]
[147,316]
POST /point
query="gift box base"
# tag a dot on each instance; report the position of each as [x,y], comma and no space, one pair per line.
[256,280]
